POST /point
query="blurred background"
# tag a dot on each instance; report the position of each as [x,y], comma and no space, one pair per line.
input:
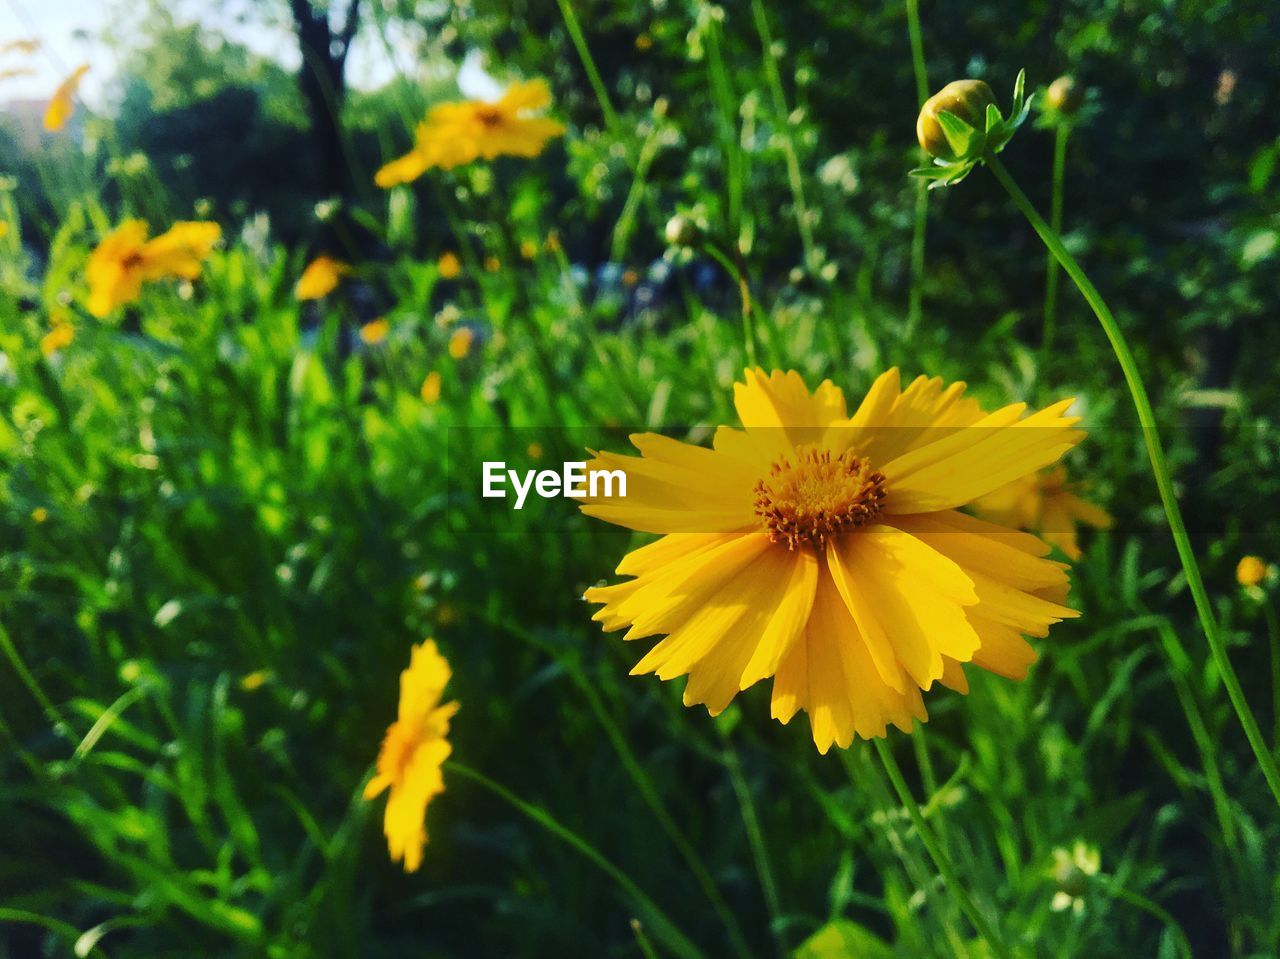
[225,513]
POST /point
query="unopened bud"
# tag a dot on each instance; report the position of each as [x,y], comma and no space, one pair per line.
[1065,95]
[681,231]
[965,99]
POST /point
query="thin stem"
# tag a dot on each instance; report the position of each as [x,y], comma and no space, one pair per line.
[588,63]
[1159,466]
[1273,637]
[755,839]
[676,940]
[915,306]
[794,179]
[20,667]
[1117,891]
[1060,136]
[936,853]
[735,270]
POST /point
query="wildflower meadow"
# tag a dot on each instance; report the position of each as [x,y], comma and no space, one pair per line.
[662,480]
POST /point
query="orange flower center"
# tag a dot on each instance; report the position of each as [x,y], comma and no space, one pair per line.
[817,497]
[397,752]
[489,117]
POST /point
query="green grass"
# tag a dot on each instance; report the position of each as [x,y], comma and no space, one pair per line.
[228,489]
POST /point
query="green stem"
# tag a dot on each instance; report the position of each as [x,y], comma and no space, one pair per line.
[675,939]
[915,306]
[794,179]
[1273,637]
[1055,224]
[1117,891]
[940,859]
[588,63]
[1159,466]
[755,839]
[744,293]
[20,667]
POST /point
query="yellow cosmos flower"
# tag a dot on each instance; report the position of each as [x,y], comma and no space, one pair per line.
[126,259]
[460,342]
[827,551]
[414,749]
[430,391]
[39,515]
[492,264]
[375,331]
[62,104]
[1044,503]
[449,265]
[61,335]
[454,134]
[1251,570]
[321,277]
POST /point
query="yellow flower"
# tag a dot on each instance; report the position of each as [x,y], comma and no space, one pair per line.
[412,753]
[252,682]
[4,229]
[125,259]
[62,105]
[454,134]
[449,265]
[827,551]
[321,277]
[1251,570]
[61,335]
[25,47]
[375,332]
[39,515]
[431,388]
[1044,503]
[460,342]
[528,249]
[492,264]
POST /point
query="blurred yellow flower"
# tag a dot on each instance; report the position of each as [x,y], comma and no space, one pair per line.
[492,264]
[39,515]
[15,72]
[460,342]
[252,682]
[1045,503]
[431,388]
[454,134]
[528,249]
[375,331]
[25,47]
[449,265]
[412,753]
[62,104]
[828,551]
[321,277]
[644,42]
[4,229]
[1251,570]
[61,335]
[125,259]
[535,451]
[553,242]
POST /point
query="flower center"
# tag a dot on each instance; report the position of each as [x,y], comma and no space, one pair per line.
[818,496]
[397,750]
[489,117]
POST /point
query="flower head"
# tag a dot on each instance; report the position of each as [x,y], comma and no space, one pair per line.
[413,750]
[1072,871]
[430,391]
[827,551]
[449,265]
[321,277]
[125,259]
[460,342]
[454,134]
[1251,571]
[1045,503]
[961,124]
[1064,96]
[62,104]
[61,335]
[375,331]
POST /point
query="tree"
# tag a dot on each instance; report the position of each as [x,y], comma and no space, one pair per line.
[324,41]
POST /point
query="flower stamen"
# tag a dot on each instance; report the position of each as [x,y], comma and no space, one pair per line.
[818,496]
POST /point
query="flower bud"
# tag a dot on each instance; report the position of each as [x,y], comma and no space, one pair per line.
[1065,95]
[681,231]
[966,99]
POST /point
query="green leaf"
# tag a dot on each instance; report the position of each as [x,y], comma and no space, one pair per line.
[959,134]
[844,939]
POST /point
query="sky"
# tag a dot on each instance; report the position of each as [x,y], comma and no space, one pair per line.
[71,31]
